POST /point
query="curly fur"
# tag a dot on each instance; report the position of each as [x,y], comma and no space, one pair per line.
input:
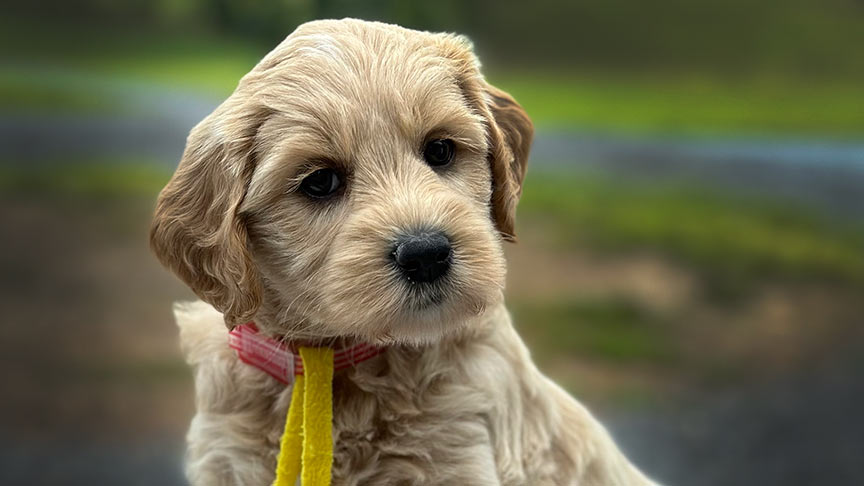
[455,399]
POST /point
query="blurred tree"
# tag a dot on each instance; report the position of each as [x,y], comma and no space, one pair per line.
[730,37]
[266,20]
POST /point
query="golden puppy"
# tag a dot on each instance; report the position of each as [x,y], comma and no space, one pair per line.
[357,187]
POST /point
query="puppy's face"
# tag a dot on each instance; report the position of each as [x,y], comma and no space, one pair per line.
[357,184]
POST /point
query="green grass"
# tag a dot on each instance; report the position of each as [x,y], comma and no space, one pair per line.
[199,62]
[129,178]
[612,330]
[689,104]
[214,72]
[669,102]
[21,93]
[735,238]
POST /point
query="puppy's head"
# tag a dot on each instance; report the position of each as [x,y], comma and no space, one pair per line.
[358,183]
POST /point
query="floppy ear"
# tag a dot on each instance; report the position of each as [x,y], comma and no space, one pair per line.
[510,136]
[196,231]
[510,131]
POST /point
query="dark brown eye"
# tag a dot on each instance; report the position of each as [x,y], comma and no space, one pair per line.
[439,153]
[321,183]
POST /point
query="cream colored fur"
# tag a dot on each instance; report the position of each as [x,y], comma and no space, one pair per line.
[455,399]
[472,410]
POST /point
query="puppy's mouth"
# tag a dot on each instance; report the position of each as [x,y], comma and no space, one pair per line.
[424,296]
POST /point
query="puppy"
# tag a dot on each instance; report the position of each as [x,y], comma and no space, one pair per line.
[357,188]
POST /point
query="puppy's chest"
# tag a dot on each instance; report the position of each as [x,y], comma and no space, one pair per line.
[399,435]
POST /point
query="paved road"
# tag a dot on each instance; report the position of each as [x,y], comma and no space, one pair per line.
[806,432]
[75,461]
[827,175]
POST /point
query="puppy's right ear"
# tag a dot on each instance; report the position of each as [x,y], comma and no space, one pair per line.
[196,231]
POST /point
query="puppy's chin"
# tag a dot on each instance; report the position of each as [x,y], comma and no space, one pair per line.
[438,316]
[418,317]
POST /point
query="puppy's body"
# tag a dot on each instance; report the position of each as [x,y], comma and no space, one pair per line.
[358,186]
[470,410]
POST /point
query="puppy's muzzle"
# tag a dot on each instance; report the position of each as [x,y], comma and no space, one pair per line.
[423,257]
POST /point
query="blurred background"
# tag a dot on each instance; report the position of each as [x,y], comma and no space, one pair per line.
[691,255]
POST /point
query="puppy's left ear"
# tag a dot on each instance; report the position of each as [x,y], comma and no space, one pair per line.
[509,130]
[510,136]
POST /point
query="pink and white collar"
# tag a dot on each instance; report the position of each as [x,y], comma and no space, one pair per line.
[279,361]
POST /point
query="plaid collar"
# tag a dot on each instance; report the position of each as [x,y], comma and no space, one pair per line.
[276,358]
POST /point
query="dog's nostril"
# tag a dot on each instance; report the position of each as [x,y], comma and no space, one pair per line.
[423,257]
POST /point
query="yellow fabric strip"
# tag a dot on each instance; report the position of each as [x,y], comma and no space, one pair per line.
[317,416]
[288,465]
[307,442]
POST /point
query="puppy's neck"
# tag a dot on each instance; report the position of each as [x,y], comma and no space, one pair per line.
[296,332]
[403,366]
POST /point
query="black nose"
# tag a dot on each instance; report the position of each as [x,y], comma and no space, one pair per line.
[423,257]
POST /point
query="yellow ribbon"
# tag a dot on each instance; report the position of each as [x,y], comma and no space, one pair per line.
[306,448]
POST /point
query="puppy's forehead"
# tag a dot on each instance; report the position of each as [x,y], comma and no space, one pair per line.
[359,60]
[343,82]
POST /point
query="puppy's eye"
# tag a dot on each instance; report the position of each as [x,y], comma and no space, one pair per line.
[439,153]
[321,183]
